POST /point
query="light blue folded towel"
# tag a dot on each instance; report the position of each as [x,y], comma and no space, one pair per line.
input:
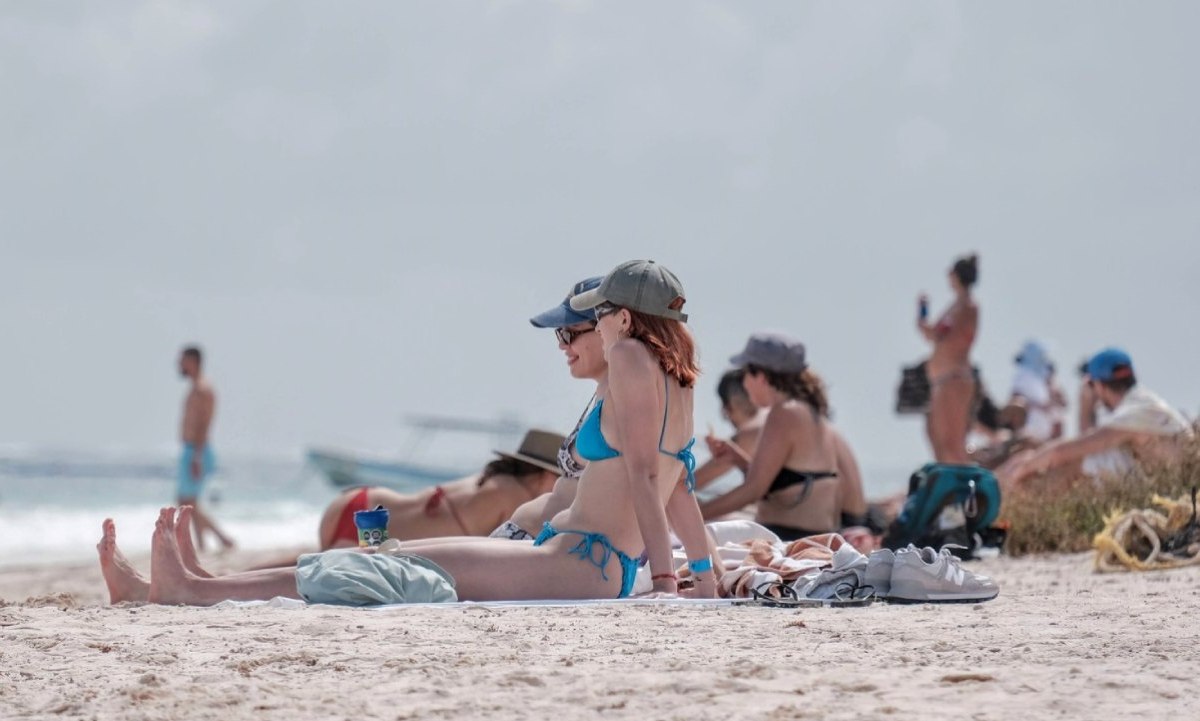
[348,578]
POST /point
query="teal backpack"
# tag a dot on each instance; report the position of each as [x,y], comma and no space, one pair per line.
[948,504]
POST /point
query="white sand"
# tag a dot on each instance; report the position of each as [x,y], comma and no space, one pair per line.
[1060,643]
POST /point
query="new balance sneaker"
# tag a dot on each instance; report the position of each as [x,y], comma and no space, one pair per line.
[879,572]
[925,575]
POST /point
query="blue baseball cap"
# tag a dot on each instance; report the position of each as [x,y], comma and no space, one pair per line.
[562,315]
[1110,364]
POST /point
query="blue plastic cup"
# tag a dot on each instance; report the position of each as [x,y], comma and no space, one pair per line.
[372,526]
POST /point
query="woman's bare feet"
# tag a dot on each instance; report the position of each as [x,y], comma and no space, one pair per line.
[123,581]
[183,539]
[169,580]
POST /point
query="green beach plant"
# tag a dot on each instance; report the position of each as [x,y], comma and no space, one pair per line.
[1063,516]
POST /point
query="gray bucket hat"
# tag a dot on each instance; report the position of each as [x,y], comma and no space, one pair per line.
[641,285]
[773,351]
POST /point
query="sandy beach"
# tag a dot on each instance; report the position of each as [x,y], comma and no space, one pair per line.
[1059,643]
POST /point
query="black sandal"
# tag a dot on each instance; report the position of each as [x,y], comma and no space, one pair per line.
[786,595]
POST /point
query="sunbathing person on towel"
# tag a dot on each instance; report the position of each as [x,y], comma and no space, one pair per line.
[637,439]
[471,506]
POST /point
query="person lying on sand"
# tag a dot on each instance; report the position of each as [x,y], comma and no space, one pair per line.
[1139,427]
[471,506]
[636,440]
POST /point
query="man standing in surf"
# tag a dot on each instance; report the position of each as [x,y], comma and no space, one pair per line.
[197,460]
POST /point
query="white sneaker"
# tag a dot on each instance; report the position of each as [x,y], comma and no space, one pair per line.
[925,575]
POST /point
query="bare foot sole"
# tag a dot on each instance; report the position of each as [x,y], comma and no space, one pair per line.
[123,581]
[169,580]
[183,539]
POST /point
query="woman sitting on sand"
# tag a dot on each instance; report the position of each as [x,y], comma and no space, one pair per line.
[471,506]
[747,420]
[637,440]
[952,385]
[793,474]
[584,353]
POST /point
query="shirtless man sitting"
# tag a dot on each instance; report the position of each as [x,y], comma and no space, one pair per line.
[1140,427]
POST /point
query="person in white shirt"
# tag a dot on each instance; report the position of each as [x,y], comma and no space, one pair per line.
[1035,391]
[1140,427]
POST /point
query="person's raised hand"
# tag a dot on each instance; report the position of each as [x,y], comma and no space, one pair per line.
[728,452]
[717,447]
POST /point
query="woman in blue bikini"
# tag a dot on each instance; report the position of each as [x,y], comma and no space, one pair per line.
[638,440]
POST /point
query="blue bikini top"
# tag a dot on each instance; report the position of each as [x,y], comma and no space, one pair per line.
[593,446]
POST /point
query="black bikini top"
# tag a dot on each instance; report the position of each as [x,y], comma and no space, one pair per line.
[788,478]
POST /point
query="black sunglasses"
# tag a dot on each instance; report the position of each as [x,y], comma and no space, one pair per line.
[567,337]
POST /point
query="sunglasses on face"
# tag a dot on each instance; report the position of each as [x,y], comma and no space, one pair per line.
[567,336]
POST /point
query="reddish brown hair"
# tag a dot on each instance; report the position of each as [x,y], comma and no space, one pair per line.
[670,343]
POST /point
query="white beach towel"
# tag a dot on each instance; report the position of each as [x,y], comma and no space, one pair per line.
[292,603]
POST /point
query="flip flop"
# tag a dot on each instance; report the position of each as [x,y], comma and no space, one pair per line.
[787,597]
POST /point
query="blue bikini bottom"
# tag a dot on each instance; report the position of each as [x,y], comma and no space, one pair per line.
[585,549]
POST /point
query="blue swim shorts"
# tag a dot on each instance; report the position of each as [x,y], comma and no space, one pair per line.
[186,486]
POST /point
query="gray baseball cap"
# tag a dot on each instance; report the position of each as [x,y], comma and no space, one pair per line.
[773,351]
[641,285]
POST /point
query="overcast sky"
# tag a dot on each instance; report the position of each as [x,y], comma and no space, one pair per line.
[356,207]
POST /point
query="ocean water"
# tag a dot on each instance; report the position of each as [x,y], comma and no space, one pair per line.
[52,505]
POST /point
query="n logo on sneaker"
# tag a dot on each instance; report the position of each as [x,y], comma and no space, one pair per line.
[954,575]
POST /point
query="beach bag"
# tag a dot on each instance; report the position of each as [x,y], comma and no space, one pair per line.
[948,504]
[912,395]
